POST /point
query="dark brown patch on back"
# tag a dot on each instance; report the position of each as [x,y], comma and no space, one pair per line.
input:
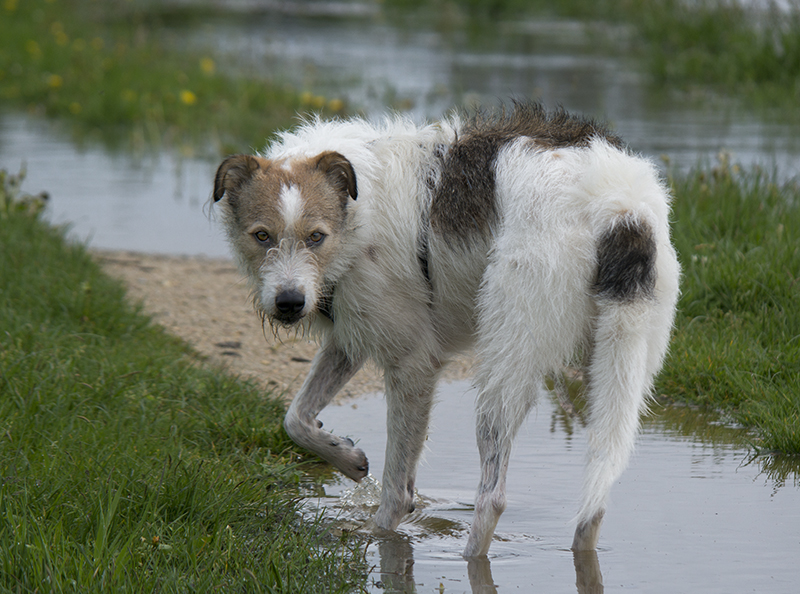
[626,257]
[463,202]
[557,129]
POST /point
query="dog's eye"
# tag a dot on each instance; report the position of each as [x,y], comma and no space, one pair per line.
[261,236]
[316,238]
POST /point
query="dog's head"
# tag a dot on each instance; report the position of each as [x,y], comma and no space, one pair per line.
[286,221]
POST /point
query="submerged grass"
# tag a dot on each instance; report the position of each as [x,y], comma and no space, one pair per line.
[736,347]
[125,465]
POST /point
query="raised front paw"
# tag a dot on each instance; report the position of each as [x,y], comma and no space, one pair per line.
[350,460]
[339,451]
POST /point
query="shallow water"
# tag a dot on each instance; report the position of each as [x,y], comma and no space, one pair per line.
[423,70]
[154,203]
[692,513]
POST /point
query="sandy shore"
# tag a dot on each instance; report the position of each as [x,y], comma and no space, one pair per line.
[206,302]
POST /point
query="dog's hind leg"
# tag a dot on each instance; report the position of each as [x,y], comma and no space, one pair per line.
[330,370]
[409,398]
[498,420]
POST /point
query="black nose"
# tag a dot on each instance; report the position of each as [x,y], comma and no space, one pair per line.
[290,302]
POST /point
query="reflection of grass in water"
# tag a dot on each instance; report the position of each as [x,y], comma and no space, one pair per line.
[106,67]
[113,70]
[778,470]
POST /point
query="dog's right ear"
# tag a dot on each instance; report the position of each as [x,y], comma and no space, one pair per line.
[234,172]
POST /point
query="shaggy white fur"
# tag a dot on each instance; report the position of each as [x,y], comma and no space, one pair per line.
[536,237]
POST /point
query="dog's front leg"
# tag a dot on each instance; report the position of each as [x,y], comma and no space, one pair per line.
[409,396]
[330,370]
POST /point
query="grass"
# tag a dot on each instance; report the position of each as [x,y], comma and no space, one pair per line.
[125,464]
[736,346]
[111,71]
[725,46]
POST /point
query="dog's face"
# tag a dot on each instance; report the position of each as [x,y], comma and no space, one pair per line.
[286,221]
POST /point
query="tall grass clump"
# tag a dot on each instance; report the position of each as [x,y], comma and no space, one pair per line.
[751,48]
[737,341]
[745,50]
[125,465]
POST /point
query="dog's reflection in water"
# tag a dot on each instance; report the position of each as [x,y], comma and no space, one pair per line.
[397,569]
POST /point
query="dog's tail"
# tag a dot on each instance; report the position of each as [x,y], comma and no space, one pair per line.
[635,290]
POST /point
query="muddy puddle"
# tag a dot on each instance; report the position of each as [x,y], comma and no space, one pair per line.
[693,513]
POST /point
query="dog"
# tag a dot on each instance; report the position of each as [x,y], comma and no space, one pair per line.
[535,237]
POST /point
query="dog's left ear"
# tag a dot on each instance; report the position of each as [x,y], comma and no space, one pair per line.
[339,171]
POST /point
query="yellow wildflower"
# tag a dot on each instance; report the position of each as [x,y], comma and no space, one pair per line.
[336,105]
[207,65]
[10,5]
[75,108]
[55,81]
[187,97]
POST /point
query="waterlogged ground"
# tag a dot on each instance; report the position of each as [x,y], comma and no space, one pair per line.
[693,513]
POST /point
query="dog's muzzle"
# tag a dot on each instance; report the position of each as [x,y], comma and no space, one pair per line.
[289,306]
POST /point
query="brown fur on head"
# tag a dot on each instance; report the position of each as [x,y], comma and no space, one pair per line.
[285,220]
[237,170]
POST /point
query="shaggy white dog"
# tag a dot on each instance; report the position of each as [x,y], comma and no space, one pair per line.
[534,236]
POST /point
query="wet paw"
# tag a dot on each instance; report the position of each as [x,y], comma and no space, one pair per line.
[339,451]
[361,465]
[350,460]
[389,516]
